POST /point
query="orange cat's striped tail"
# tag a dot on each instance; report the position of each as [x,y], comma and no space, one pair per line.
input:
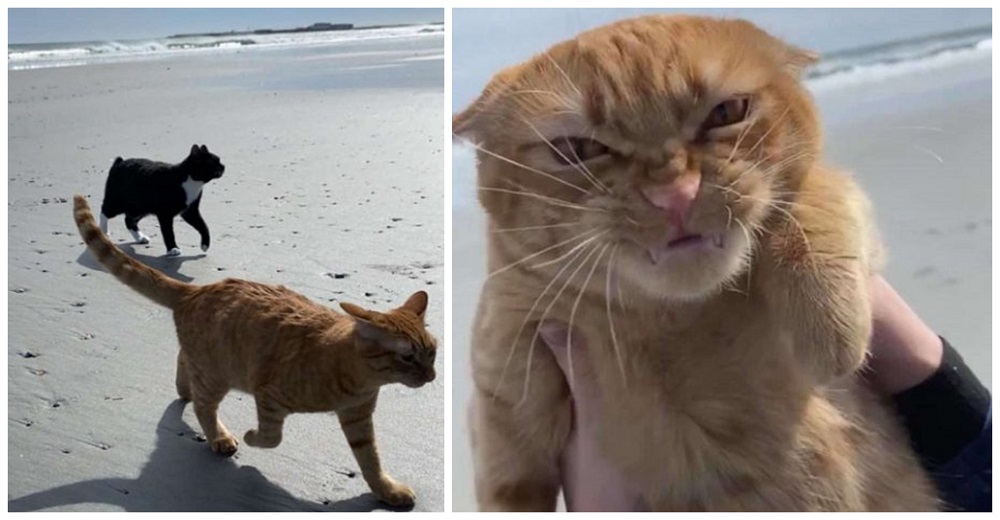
[147,281]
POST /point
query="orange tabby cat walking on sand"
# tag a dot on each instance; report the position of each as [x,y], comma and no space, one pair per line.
[291,354]
[656,186]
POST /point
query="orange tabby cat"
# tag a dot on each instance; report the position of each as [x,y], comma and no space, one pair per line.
[657,185]
[291,354]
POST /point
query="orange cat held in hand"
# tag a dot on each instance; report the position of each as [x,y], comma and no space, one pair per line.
[657,186]
[291,354]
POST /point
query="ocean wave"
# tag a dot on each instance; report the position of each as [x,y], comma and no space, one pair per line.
[20,57]
[836,75]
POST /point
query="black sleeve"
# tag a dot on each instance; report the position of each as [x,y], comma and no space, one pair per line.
[946,412]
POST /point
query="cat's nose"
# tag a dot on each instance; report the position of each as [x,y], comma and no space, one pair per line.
[676,196]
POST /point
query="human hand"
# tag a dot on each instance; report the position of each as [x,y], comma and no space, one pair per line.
[590,482]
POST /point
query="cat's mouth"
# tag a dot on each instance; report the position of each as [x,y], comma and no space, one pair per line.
[658,254]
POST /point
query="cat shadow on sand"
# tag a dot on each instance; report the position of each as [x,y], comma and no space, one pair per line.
[168,265]
[183,475]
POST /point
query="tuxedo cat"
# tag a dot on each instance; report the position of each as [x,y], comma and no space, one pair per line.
[140,187]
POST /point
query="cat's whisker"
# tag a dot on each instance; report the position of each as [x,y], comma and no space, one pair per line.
[529,168]
[749,259]
[578,246]
[593,135]
[535,228]
[769,130]
[527,316]
[927,151]
[611,321]
[774,168]
[551,200]
[793,220]
[572,316]
[577,165]
[566,102]
[739,140]
[541,321]
[917,127]
[564,75]
[565,113]
[538,253]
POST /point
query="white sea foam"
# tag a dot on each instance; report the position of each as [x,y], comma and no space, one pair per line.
[890,69]
[21,57]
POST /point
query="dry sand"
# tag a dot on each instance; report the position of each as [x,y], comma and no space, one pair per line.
[919,143]
[333,166]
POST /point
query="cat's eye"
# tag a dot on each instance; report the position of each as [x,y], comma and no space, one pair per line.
[729,112]
[576,150]
[409,357]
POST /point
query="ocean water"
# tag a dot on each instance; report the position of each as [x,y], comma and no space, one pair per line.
[45,55]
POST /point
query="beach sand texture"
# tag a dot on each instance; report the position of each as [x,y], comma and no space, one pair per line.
[917,137]
[333,187]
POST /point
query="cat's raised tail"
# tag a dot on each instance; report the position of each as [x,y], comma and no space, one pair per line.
[147,281]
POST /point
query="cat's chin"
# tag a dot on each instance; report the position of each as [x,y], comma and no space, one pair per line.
[696,270]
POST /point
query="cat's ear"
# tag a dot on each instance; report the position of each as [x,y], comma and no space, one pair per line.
[417,304]
[797,60]
[204,149]
[367,322]
[195,150]
[463,124]
[357,312]
[471,123]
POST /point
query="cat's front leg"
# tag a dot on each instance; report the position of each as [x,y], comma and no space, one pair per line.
[167,228]
[270,421]
[816,261]
[520,416]
[357,424]
[192,216]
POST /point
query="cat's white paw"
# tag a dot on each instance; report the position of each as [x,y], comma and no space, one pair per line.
[139,237]
[204,248]
[174,252]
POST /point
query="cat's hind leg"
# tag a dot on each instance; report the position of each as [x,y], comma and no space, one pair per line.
[206,398]
[183,379]
[360,432]
[270,419]
[132,223]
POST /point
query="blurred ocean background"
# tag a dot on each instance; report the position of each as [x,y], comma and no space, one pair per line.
[65,54]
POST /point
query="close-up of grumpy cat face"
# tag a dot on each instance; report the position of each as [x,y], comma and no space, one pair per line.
[658,145]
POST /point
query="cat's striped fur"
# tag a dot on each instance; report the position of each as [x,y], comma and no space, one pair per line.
[291,354]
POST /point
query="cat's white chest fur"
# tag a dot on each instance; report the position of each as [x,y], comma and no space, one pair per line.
[192,189]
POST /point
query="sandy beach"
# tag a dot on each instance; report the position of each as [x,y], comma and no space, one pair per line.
[333,188]
[918,139]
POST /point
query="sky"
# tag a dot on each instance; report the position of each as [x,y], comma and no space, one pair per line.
[67,25]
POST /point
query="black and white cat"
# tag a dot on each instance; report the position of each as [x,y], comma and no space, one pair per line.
[140,187]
